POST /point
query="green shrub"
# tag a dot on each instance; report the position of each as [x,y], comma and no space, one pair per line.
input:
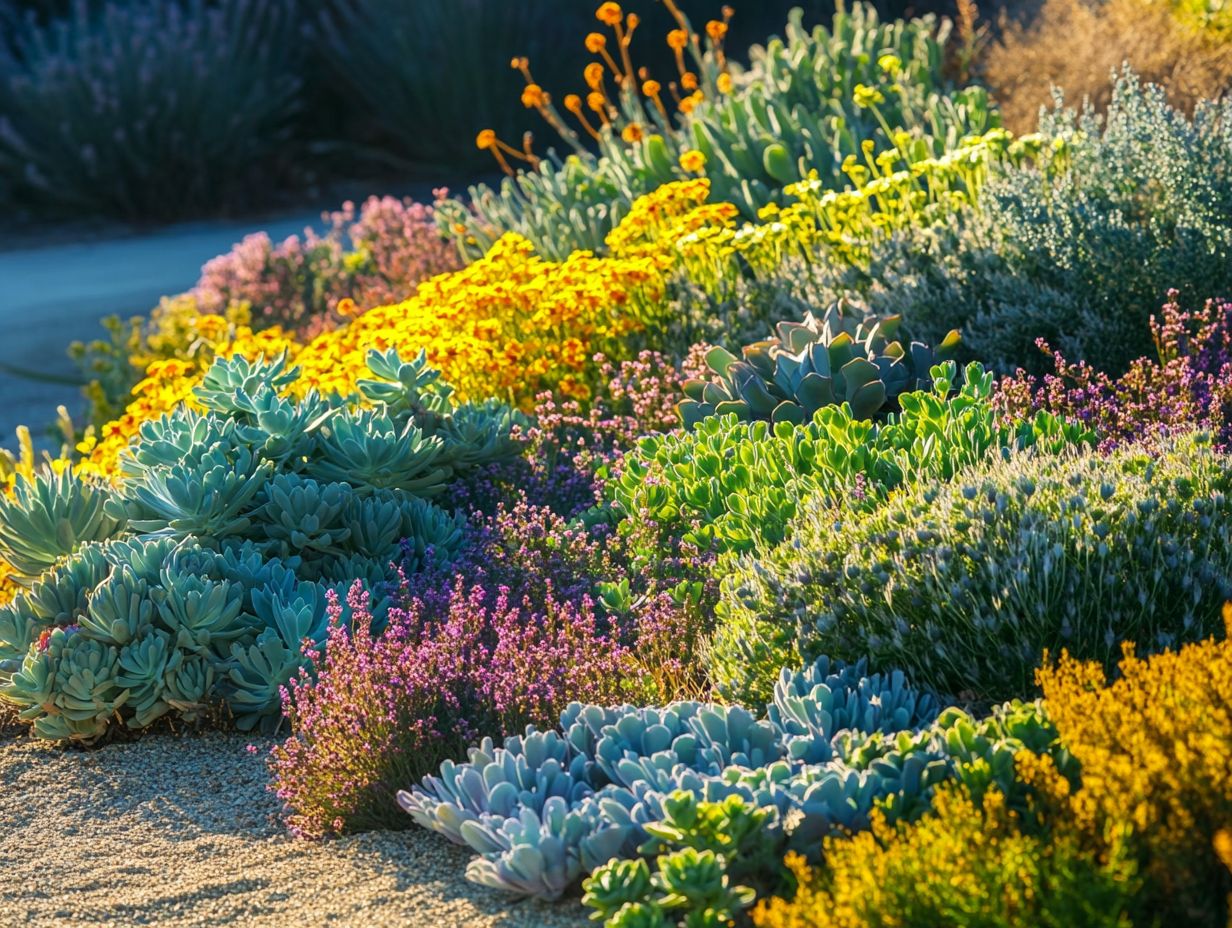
[964,584]
[794,109]
[152,109]
[731,486]
[1082,252]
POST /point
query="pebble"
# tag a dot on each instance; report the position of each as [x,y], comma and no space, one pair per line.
[181,831]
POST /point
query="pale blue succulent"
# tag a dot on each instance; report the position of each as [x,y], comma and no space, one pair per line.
[120,608]
[380,521]
[59,596]
[189,685]
[813,705]
[498,782]
[181,437]
[406,389]
[370,451]
[299,516]
[232,385]
[208,499]
[203,614]
[144,665]
[145,557]
[541,853]
[48,517]
[479,433]
[254,677]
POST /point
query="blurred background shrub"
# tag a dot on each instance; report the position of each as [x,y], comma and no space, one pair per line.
[1079,46]
[151,109]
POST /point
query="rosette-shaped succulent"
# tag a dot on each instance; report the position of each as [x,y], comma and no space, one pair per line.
[120,609]
[188,685]
[497,783]
[297,515]
[209,498]
[232,385]
[280,429]
[47,517]
[813,705]
[823,361]
[407,389]
[58,597]
[370,451]
[67,687]
[541,853]
[479,433]
[202,614]
[144,665]
[379,522]
[145,557]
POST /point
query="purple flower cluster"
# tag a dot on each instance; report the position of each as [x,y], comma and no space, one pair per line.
[569,449]
[374,258]
[505,636]
[1188,385]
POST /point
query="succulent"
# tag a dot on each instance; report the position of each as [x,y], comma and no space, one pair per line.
[298,516]
[120,608]
[380,521]
[144,665]
[406,389]
[203,614]
[541,853]
[67,687]
[231,385]
[370,451]
[497,782]
[254,677]
[209,499]
[479,433]
[59,596]
[47,517]
[822,361]
[812,706]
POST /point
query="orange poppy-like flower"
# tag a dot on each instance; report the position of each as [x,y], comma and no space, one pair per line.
[677,39]
[595,42]
[573,103]
[688,80]
[633,21]
[485,139]
[534,96]
[596,102]
[609,14]
[593,75]
[716,30]
[651,88]
[632,133]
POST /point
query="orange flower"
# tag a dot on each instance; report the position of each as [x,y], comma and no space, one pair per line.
[485,139]
[688,80]
[573,103]
[594,75]
[651,88]
[677,39]
[632,133]
[716,30]
[596,102]
[609,14]
[534,96]
[596,42]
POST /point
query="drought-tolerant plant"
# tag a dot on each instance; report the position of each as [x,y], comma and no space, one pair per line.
[148,110]
[1078,48]
[1141,836]
[1187,385]
[805,102]
[734,486]
[236,522]
[693,784]
[1080,249]
[967,583]
[812,364]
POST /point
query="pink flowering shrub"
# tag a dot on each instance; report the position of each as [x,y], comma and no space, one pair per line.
[504,637]
[1187,385]
[375,257]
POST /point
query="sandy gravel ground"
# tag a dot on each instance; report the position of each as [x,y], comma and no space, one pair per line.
[181,831]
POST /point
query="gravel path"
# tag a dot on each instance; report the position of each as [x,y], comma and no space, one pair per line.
[181,831]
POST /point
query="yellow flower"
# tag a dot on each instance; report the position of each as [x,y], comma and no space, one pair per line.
[865,96]
[693,161]
[724,83]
